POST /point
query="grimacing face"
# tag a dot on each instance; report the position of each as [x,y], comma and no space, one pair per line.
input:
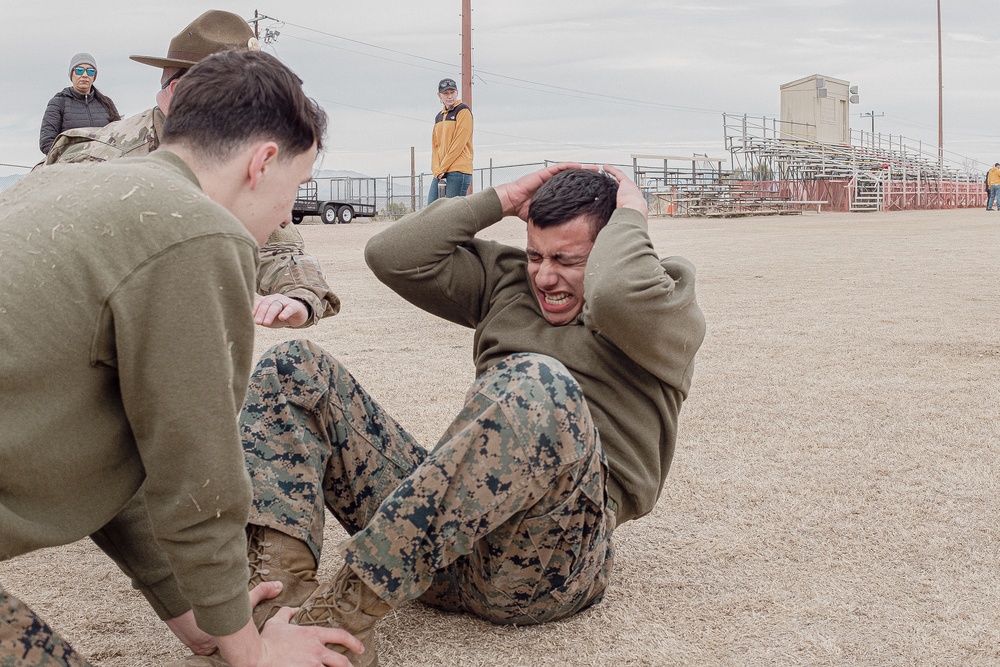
[557,262]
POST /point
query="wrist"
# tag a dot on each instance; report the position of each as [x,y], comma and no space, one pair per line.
[242,648]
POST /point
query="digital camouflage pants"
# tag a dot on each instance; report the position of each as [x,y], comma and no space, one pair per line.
[28,641]
[505,518]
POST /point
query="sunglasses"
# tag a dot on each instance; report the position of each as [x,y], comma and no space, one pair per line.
[80,71]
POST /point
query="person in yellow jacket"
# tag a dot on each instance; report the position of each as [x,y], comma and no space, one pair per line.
[993,187]
[451,144]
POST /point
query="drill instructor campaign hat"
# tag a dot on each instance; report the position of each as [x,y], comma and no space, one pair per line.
[212,32]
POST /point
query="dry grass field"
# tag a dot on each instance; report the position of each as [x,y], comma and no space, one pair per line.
[834,499]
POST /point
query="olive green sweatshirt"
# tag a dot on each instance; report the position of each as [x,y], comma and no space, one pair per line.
[631,349]
[126,342]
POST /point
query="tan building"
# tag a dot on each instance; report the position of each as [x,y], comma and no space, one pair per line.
[816,108]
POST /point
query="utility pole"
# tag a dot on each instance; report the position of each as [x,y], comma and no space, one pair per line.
[467,52]
[872,114]
[940,94]
[256,25]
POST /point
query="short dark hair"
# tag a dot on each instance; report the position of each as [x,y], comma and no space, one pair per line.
[573,193]
[233,97]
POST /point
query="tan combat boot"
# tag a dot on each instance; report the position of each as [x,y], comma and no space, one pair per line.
[346,602]
[275,556]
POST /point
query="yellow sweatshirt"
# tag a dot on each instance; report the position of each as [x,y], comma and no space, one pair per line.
[451,141]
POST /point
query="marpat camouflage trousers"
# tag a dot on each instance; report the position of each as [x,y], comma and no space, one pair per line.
[28,641]
[505,518]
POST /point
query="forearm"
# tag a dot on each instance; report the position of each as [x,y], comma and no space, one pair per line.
[643,305]
[242,648]
[428,257]
[183,379]
[299,277]
[284,268]
[129,540]
[431,235]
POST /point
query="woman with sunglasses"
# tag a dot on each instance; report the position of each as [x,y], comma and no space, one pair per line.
[79,105]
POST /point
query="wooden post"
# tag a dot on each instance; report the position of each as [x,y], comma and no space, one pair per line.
[413,179]
[467,52]
[940,96]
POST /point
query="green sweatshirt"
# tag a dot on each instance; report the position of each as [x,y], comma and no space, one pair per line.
[126,342]
[631,349]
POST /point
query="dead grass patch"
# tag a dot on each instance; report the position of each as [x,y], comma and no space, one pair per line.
[834,497]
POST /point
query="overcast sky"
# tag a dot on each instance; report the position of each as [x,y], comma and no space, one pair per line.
[556,79]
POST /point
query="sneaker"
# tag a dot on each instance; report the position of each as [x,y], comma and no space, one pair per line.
[346,602]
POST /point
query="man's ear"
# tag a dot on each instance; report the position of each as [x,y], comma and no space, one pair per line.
[260,161]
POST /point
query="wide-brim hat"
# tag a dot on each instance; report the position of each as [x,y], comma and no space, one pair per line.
[212,32]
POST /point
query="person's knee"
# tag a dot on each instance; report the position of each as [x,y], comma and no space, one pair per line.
[301,365]
[540,371]
[540,389]
[291,355]
[291,351]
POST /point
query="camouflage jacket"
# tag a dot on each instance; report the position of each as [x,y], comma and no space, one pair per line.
[284,267]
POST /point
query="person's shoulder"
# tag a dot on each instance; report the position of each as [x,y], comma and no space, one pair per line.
[129,136]
[137,129]
[61,94]
[285,237]
[157,188]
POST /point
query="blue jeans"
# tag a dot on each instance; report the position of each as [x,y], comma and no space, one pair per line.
[993,198]
[457,185]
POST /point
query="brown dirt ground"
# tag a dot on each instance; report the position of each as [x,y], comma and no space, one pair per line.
[834,497]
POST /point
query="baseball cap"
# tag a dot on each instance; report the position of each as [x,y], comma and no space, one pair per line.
[447,84]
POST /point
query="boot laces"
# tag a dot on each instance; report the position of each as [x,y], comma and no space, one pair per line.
[344,596]
[256,546]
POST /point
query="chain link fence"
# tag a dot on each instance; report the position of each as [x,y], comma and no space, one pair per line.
[398,195]
[406,194]
[389,197]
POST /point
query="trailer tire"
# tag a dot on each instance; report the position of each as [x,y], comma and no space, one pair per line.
[345,214]
[329,214]
[297,218]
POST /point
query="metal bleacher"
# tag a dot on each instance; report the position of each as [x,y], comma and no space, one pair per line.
[879,170]
[775,171]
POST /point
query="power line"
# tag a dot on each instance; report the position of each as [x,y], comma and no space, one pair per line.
[478,130]
[544,87]
[356,41]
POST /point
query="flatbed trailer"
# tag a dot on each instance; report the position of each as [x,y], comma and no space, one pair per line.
[335,199]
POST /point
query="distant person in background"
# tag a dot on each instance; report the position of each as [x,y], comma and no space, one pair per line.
[79,105]
[993,187]
[451,144]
